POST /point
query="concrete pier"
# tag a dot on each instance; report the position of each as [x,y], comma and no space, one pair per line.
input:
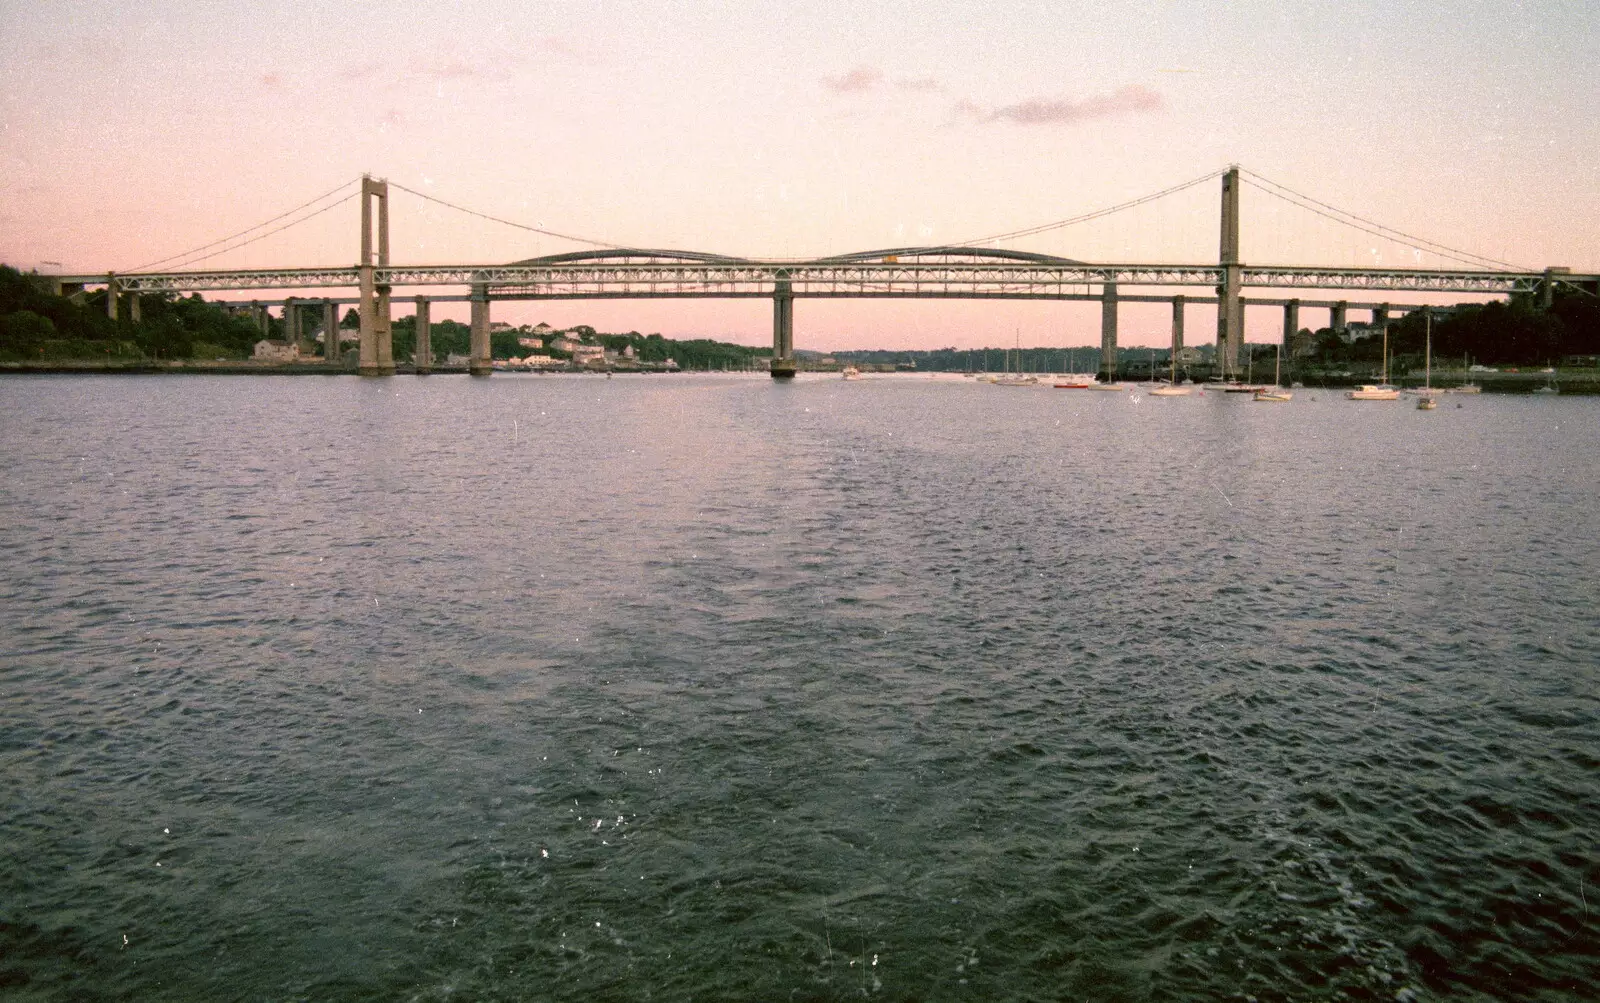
[1291,326]
[263,320]
[135,308]
[113,290]
[330,333]
[1380,315]
[783,361]
[481,362]
[1178,303]
[1230,308]
[1108,332]
[424,353]
[1337,315]
[291,322]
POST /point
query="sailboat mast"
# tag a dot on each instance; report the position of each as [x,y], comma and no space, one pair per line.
[1427,365]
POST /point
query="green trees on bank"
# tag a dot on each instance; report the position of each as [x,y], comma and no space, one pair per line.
[37,325]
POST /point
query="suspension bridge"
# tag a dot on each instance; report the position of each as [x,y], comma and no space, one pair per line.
[952,271]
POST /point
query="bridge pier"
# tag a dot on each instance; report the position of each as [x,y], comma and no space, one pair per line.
[1291,327]
[377,345]
[291,322]
[424,353]
[1337,316]
[1230,307]
[135,308]
[113,290]
[783,362]
[330,333]
[1380,314]
[480,363]
[1108,332]
[263,321]
[1178,303]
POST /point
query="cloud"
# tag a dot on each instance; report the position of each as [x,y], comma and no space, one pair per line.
[923,84]
[862,78]
[450,69]
[360,70]
[271,79]
[1060,111]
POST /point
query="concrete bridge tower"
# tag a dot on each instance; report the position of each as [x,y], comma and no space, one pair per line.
[377,344]
[1230,308]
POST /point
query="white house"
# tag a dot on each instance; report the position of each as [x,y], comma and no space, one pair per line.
[275,350]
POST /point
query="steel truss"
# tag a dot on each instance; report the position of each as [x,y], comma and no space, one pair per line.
[907,273]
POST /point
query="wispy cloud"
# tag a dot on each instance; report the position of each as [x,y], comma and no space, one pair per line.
[922,84]
[862,78]
[360,70]
[271,79]
[1062,111]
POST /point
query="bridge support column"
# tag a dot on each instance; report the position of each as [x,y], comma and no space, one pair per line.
[330,333]
[135,308]
[1337,320]
[377,346]
[1230,308]
[481,362]
[1291,327]
[291,322]
[1108,332]
[263,321]
[783,362]
[424,353]
[113,290]
[1380,315]
[1178,303]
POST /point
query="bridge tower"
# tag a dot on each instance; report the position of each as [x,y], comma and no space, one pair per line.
[377,344]
[783,364]
[1230,307]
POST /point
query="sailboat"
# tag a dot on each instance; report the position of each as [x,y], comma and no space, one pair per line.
[1170,388]
[1425,398]
[1275,393]
[1383,391]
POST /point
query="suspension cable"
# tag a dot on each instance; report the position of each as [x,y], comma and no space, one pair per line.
[269,233]
[1376,229]
[241,233]
[507,222]
[1030,231]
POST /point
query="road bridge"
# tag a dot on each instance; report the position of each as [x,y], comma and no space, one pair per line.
[943,272]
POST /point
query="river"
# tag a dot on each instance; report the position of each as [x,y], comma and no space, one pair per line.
[710,687]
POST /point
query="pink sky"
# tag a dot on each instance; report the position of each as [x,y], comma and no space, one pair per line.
[133,132]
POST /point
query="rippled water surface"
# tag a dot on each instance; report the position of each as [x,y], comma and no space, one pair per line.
[700,688]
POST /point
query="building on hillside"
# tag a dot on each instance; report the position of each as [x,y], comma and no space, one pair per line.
[496,326]
[542,329]
[530,342]
[539,360]
[588,355]
[276,350]
[562,343]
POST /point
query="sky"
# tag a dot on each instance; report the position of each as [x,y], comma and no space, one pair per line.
[133,132]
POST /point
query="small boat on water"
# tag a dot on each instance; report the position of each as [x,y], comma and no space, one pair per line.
[1427,403]
[1170,388]
[1072,386]
[1379,392]
[851,373]
[1107,386]
[1370,392]
[1275,393]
